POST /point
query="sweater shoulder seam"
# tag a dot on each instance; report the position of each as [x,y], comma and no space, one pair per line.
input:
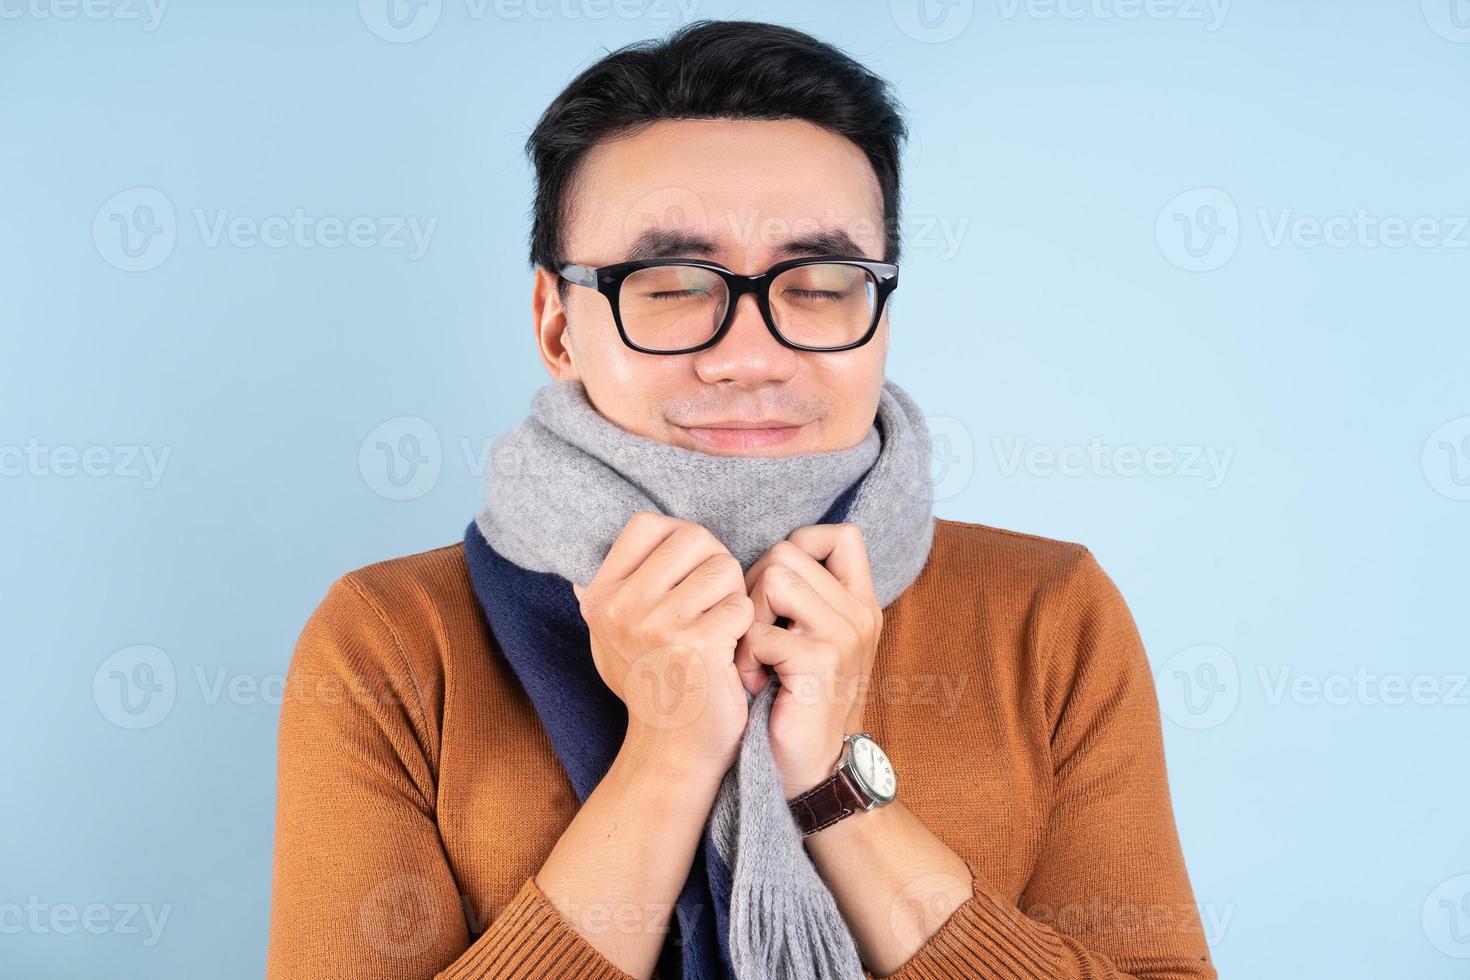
[1022,535]
[420,713]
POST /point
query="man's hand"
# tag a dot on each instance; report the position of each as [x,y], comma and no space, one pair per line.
[818,581]
[823,657]
[663,613]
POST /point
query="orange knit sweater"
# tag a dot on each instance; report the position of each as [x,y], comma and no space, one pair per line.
[418,794]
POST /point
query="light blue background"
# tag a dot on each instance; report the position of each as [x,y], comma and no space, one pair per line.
[1325,834]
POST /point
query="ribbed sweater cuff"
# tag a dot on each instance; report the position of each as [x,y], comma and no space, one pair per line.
[986,937]
[531,940]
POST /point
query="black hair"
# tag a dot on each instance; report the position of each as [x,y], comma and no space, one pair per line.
[712,69]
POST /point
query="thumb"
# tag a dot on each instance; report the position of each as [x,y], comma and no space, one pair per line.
[752,672]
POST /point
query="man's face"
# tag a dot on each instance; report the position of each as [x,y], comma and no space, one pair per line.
[745,194]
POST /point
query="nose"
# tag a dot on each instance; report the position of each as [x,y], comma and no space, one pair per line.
[748,353]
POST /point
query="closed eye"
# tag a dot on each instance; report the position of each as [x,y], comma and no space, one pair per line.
[678,294]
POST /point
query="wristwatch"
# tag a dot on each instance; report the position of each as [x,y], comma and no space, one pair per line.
[863,779]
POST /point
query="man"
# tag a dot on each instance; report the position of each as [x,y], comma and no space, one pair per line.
[462,794]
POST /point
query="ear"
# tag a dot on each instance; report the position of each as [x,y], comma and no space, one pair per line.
[549,322]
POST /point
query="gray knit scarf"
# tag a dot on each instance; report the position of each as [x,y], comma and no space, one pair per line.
[560,488]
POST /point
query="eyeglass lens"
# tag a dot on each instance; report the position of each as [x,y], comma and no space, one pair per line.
[675,307]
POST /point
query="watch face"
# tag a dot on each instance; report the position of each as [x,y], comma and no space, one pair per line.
[872,769]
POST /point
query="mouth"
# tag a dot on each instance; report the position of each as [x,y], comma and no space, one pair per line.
[744,435]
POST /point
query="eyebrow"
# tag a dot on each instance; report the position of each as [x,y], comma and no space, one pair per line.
[660,243]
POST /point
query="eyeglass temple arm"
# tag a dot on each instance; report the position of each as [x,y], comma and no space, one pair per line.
[581,275]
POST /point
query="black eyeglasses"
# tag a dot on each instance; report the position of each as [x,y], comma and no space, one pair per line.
[678,306]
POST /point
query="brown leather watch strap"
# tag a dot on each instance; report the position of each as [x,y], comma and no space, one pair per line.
[826,803]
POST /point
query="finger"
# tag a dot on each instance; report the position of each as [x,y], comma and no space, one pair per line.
[781,590]
[788,555]
[713,581]
[641,534]
[729,618]
[783,560]
[683,549]
[789,654]
[842,551]
[753,673]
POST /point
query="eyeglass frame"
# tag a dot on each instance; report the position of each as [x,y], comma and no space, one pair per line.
[608,280]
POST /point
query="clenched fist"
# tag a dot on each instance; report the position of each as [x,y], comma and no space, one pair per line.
[664,613]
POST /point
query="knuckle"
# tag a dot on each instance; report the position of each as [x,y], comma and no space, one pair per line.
[785,550]
[741,603]
[714,570]
[721,562]
[643,518]
[615,610]
[688,535]
[730,566]
[873,624]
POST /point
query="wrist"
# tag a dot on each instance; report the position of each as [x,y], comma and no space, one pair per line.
[862,780]
[805,777]
[647,760]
